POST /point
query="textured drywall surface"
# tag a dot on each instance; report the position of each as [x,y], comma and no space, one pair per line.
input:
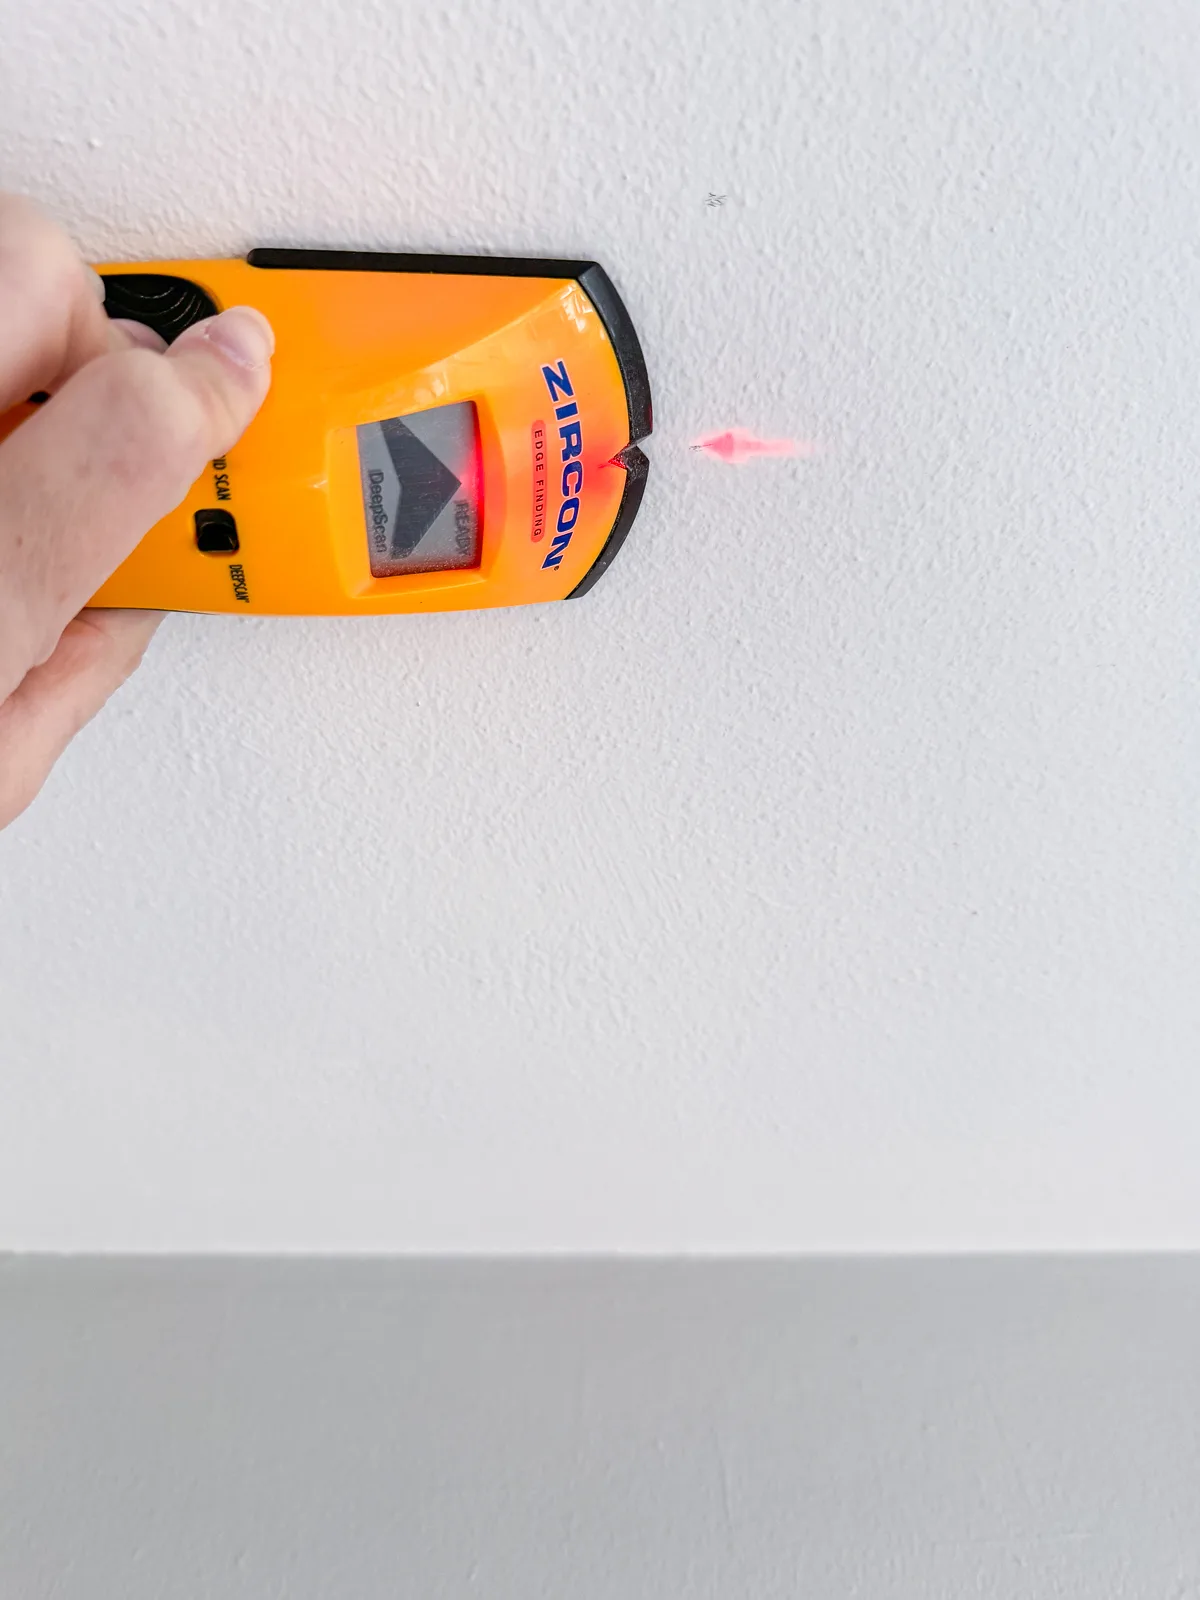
[829,877]
[851,1430]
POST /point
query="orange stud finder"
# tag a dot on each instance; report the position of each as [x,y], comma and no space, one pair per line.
[442,433]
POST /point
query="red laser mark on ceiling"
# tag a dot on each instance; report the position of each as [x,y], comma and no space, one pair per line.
[736,446]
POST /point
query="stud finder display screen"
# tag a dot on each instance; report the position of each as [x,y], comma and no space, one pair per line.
[420,488]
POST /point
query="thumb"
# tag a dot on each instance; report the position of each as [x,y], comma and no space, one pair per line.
[117,447]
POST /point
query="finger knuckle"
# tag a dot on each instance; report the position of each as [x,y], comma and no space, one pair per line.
[39,265]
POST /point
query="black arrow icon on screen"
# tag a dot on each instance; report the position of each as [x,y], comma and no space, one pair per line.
[426,485]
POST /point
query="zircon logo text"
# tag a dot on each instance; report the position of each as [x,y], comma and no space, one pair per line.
[570,434]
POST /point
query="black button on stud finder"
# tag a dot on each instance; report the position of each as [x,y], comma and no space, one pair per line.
[216,533]
[164,303]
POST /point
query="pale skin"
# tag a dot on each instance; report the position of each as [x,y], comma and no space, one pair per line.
[128,429]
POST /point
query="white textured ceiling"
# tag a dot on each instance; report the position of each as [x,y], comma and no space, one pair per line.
[829,877]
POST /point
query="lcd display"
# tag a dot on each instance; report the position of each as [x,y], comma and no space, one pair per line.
[421,490]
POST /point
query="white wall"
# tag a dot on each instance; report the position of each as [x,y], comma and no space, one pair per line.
[829,877]
[1005,1430]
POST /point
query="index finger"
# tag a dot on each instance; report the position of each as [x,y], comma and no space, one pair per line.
[51,305]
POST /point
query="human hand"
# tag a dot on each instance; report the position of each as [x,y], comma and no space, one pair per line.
[128,430]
